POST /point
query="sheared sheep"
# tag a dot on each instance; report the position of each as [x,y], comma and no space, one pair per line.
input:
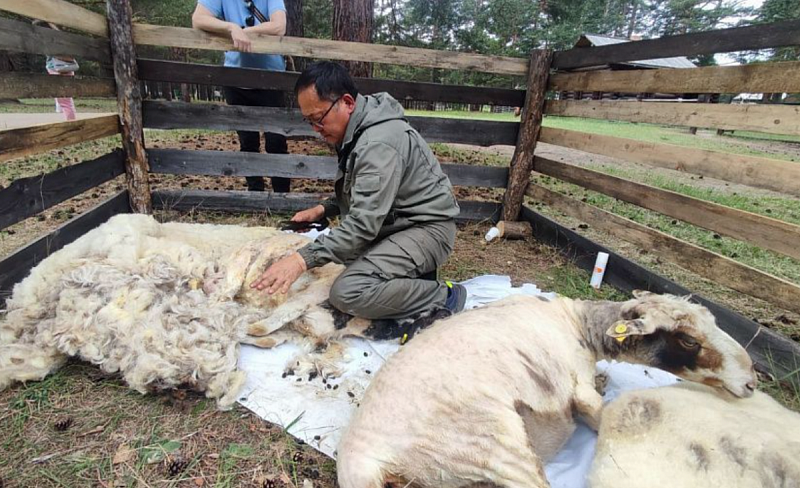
[486,397]
[690,435]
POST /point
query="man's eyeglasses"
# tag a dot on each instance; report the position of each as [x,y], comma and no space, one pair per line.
[318,123]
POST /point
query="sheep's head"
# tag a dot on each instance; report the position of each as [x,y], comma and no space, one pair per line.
[676,335]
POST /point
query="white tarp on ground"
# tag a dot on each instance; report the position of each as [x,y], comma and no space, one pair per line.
[317,412]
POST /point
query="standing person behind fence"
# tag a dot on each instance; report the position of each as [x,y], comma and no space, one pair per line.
[397,206]
[242,20]
[61,66]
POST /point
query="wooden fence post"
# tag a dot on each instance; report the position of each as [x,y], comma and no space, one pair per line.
[129,104]
[530,126]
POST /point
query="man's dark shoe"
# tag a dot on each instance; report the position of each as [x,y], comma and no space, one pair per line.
[456,297]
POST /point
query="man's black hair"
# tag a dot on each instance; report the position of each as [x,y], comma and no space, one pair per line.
[330,79]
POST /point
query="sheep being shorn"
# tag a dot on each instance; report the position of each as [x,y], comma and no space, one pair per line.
[164,304]
[688,436]
[167,305]
[487,397]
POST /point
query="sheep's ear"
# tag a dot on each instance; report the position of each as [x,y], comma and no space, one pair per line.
[626,328]
[641,293]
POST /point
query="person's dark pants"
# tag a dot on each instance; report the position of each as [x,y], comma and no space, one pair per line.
[249,141]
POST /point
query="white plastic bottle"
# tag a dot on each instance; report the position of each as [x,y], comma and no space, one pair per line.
[599,270]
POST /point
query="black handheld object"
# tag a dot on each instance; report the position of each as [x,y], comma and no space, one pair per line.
[304,226]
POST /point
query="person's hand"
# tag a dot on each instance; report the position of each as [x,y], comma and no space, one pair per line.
[309,215]
[281,275]
[240,40]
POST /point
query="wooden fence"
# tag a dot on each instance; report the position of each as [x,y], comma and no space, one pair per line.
[134,79]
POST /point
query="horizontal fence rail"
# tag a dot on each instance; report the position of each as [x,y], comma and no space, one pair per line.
[179,115]
[22,37]
[774,119]
[175,72]
[155,35]
[267,202]
[16,266]
[216,163]
[26,197]
[24,141]
[31,85]
[764,232]
[771,174]
[761,36]
[61,13]
[759,78]
[772,351]
[722,270]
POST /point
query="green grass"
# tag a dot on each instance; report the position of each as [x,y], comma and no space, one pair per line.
[47,105]
[657,134]
[763,136]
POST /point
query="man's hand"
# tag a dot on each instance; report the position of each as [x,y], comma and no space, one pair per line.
[240,40]
[281,275]
[313,214]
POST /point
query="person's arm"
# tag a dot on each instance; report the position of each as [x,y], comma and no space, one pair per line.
[275,27]
[377,173]
[205,20]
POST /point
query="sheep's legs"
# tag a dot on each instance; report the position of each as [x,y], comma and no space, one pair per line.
[589,404]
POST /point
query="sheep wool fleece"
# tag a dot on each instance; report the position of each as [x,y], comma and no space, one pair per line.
[398,211]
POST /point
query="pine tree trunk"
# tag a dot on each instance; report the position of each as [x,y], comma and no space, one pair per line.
[295,28]
[353,21]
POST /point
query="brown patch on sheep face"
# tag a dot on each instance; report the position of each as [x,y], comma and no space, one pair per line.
[638,416]
[547,431]
[737,454]
[699,456]
[541,380]
[17,360]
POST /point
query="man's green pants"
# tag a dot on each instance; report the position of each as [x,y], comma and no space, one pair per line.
[385,283]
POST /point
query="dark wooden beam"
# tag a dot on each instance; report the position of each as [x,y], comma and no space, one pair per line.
[178,115]
[530,127]
[176,72]
[217,163]
[23,37]
[769,349]
[129,102]
[16,266]
[31,85]
[26,197]
[280,203]
[762,36]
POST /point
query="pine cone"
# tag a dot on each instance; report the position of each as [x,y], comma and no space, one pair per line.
[297,457]
[63,424]
[177,466]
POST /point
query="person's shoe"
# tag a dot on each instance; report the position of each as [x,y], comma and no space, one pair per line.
[456,297]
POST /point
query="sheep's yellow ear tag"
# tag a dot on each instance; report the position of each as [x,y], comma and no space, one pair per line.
[621,329]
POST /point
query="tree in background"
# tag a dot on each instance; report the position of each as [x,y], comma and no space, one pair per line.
[295,28]
[353,21]
[776,11]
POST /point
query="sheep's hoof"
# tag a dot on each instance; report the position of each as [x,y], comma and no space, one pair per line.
[600,382]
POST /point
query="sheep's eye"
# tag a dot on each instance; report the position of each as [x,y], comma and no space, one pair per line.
[687,341]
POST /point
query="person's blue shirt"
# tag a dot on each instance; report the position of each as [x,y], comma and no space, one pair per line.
[235,11]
